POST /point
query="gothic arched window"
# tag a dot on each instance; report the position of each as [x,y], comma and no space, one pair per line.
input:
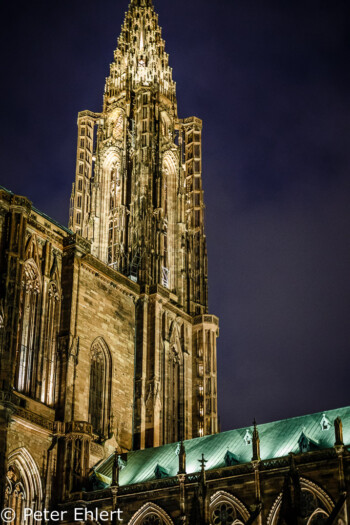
[115,218]
[29,328]
[224,514]
[23,485]
[15,494]
[174,396]
[170,205]
[226,509]
[100,384]
[311,508]
[318,518]
[50,344]
[150,514]
[315,505]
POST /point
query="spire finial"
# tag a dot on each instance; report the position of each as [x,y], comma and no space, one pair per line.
[292,462]
[141,3]
[182,458]
[256,443]
[203,462]
[338,427]
[115,473]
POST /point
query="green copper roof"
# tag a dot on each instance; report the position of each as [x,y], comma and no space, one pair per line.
[277,439]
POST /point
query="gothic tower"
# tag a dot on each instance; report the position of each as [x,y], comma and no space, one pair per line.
[138,191]
[138,198]
[106,343]
[105,337]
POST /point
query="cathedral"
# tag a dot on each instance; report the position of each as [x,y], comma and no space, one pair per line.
[108,377]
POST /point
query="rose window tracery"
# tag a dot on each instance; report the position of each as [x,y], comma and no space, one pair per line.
[224,514]
[153,519]
[308,503]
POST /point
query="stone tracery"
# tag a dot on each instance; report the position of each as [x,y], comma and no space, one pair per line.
[150,514]
[24,489]
[100,385]
[226,509]
[29,327]
[152,519]
[315,505]
[49,352]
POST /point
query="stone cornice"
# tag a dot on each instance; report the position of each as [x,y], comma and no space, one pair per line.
[111,276]
[17,404]
[206,319]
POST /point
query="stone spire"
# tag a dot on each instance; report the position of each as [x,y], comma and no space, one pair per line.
[138,198]
[138,194]
[115,473]
[256,443]
[140,59]
[203,463]
[182,459]
[338,427]
[141,3]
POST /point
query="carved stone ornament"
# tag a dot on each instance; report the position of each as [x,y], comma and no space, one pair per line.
[14,485]
[31,282]
[53,292]
[118,128]
[152,519]
[224,514]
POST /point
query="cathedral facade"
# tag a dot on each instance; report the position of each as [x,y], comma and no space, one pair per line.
[108,377]
[105,327]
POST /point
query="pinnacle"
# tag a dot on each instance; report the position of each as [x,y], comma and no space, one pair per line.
[141,3]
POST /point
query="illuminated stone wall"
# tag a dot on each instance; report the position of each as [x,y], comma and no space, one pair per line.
[105,337]
[138,198]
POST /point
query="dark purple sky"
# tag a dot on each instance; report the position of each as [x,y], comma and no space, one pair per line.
[271,81]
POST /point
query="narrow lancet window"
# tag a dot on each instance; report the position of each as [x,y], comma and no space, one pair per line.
[114,243]
[99,397]
[50,345]
[29,328]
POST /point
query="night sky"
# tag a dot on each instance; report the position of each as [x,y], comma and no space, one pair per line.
[271,81]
